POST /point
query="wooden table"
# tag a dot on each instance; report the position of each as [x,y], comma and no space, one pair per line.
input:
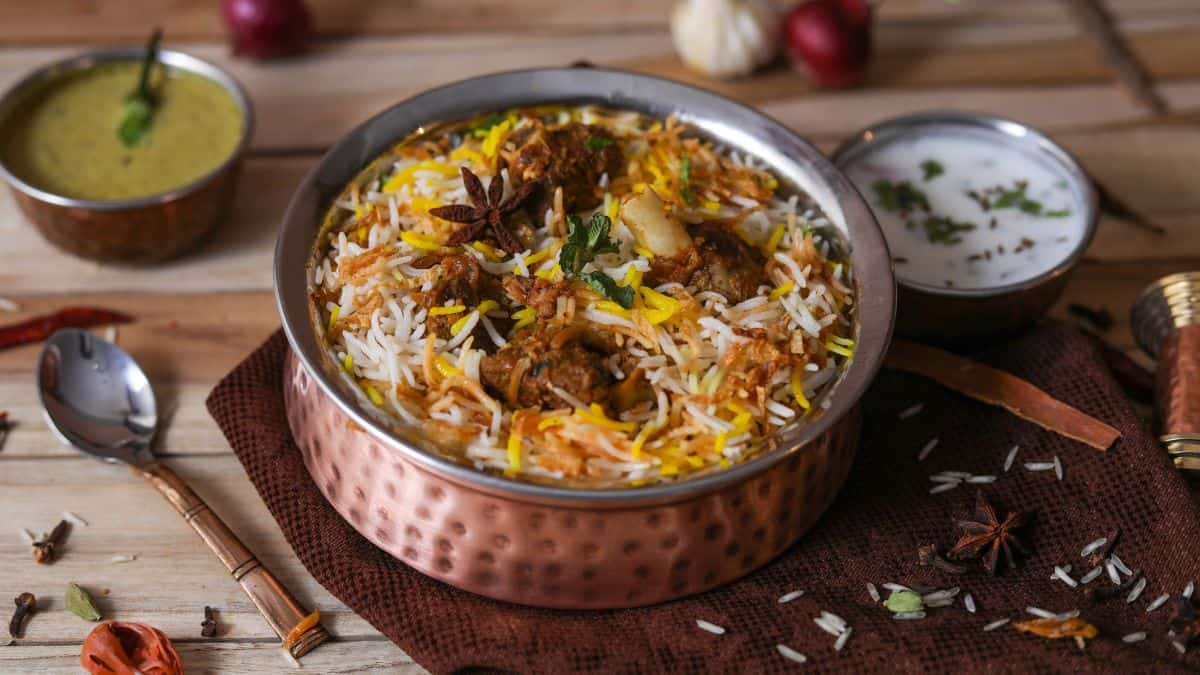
[199,316]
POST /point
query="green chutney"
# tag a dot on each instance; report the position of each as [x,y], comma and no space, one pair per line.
[63,139]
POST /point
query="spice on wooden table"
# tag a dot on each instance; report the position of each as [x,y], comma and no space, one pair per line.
[1101,593]
[120,647]
[986,536]
[208,627]
[5,427]
[26,605]
[44,550]
[41,327]
[80,603]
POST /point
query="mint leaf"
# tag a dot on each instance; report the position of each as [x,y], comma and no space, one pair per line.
[598,143]
[607,287]
[932,169]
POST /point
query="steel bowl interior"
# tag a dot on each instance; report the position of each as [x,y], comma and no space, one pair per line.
[1019,135]
[46,75]
[736,125]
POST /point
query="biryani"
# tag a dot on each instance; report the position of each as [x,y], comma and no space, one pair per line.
[582,296]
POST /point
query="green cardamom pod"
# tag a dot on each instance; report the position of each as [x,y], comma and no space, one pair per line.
[80,603]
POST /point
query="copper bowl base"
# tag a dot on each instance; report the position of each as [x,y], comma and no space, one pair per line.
[554,555]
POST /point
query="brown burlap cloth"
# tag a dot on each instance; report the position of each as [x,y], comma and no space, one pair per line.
[870,534]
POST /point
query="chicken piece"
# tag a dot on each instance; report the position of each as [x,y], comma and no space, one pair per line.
[525,371]
[540,294]
[719,261]
[572,157]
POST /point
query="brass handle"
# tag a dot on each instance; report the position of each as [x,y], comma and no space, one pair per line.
[274,601]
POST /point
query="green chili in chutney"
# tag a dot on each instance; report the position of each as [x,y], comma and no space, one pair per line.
[64,140]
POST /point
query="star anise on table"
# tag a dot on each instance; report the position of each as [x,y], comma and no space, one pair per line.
[487,210]
[985,536]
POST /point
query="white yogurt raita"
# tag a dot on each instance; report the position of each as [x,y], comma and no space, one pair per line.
[967,208]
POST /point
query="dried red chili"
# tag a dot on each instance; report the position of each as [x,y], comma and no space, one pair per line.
[41,327]
[120,648]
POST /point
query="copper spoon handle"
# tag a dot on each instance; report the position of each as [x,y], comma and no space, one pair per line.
[274,601]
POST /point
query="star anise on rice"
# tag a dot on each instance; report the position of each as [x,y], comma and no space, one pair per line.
[985,536]
[487,210]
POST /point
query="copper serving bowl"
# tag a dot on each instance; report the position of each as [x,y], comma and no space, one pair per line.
[556,546]
[955,314]
[145,229]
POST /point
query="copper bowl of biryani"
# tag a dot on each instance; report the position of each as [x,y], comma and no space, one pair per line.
[579,338]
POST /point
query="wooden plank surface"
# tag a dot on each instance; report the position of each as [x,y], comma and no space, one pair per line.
[200,315]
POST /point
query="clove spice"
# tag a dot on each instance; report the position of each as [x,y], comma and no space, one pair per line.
[1101,593]
[26,605]
[208,627]
[44,549]
[929,556]
[5,427]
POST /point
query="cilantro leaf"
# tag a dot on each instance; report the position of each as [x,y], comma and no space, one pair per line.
[902,196]
[598,143]
[932,169]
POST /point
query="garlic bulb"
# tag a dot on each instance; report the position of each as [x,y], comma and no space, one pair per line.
[725,38]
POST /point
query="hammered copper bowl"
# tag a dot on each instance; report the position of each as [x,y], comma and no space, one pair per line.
[554,546]
[142,230]
[959,315]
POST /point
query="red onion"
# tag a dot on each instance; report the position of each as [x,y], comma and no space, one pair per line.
[832,38]
[264,29]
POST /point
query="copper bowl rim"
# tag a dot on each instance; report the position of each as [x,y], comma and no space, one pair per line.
[1017,133]
[50,72]
[739,126]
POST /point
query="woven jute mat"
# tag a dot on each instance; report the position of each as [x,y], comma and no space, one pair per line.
[870,534]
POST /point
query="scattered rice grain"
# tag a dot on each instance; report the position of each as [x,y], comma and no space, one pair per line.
[943,487]
[1058,470]
[1041,613]
[872,591]
[981,479]
[904,616]
[1120,564]
[74,519]
[1189,589]
[710,627]
[1039,466]
[1091,576]
[895,587]
[1158,602]
[841,641]
[116,559]
[910,411]
[1179,646]
[995,624]
[790,654]
[927,449]
[1012,456]
[788,597]
[969,602]
[1062,575]
[1137,590]
[1134,637]
[1113,575]
[1093,547]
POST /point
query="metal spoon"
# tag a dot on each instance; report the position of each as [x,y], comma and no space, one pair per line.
[98,400]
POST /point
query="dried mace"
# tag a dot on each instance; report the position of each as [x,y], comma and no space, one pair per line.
[985,536]
[26,606]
